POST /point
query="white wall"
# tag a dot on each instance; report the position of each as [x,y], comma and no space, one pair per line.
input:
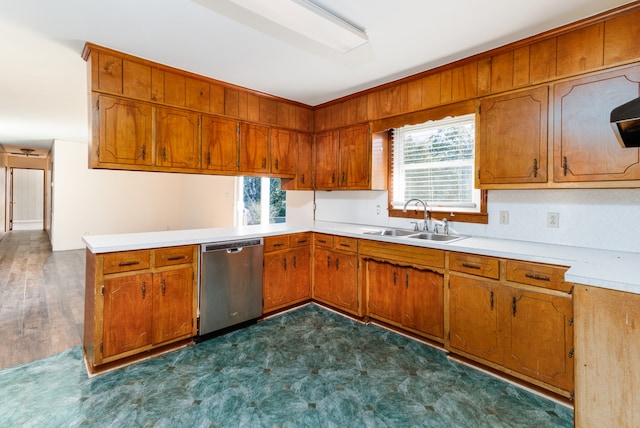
[96,202]
[28,195]
[603,218]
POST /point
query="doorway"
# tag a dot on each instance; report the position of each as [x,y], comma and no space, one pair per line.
[26,199]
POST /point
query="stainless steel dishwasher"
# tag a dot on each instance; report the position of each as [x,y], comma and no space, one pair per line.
[230,284]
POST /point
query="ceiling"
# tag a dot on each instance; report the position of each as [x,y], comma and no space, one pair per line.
[43,88]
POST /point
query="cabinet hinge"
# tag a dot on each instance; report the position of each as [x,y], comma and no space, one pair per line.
[193,276]
[571,321]
[571,353]
[102,290]
[571,396]
[98,104]
[101,347]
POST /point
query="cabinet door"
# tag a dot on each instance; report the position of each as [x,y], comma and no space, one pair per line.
[124,131]
[513,138]
[585,147]
[304,176]
[177,139]
[275,287]
[326,160]
[254,148]
[345,281]
[384,290]
[355,162]
[541,323]
[473,308]
[323,267]
[173,304]
[284,152]
[299,278]
[220,144]
[127,315]
[423,303]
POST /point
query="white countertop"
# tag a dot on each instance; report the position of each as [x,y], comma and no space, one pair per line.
[600,268]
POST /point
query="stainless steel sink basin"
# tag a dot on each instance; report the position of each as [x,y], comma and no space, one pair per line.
[391,232]
[435,237]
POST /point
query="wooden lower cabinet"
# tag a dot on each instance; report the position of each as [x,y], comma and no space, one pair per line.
[525,332]
[137,301]
[473,317]
[335,273]
[406,296]
[287,271]
[607,358]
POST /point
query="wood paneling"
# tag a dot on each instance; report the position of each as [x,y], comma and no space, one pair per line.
[502,72]
[521,68]
[197,94]
[174,89]
[542,60]
[110,73]
[621,37]
[136,80]
[581,50]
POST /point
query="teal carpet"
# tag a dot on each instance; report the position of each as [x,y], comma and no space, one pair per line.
[306,368]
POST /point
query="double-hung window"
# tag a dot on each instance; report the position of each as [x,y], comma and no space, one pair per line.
[434,161]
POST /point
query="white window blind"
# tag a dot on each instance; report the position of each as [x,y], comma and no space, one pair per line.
[434,161]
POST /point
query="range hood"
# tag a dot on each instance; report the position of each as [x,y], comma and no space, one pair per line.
[625,120]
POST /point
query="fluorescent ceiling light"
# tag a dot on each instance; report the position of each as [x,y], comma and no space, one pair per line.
[310,20]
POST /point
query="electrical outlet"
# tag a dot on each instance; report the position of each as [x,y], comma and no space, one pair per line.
[504,217]
[553,219]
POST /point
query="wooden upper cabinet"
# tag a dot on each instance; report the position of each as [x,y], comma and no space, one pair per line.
[304,177]
[326,162]
[254,148]
[585,147]
[284,152]
[513,138]
[220,144]
[355,158]
[177,142]
[124,132]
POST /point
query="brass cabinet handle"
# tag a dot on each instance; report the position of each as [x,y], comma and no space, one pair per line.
[294,262]
[328,261]
[471,266]
[406,281]
[333,177]
[264,162]
[164,154]
[565,166]
[513,306]
[176,257]
[344,244]
[284,262]
[395,277]
[302,179]
[302,241]
[491,298]
[276,163]
[144,289]
[322,241]
[208,158]
[130,263]
[164,285]
[144,151]
[337,264]
[535,167]
[278,244]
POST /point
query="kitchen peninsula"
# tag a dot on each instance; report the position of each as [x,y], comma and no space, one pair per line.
[593,279]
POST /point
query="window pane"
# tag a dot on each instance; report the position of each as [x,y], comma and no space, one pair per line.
[255,190]
[434,161]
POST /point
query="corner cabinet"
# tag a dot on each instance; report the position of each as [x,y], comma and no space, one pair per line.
[138,302]
[585,147]
[286,280]
[349,159]
[513,138]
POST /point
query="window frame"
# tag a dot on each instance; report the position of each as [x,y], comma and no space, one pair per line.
[437,113]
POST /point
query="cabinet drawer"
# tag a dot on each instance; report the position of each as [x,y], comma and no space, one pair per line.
[126,261]
[475,265]
[300,240]
[174,256]
[322,240]
[345,244]
[275,243]
[539,275]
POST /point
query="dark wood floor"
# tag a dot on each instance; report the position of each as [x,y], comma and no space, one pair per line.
[41,298]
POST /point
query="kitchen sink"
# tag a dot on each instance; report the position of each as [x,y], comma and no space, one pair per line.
[435,237]
[391,232]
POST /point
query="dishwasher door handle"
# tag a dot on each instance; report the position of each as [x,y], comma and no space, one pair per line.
[234,250]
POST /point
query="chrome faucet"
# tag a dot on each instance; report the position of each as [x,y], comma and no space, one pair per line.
[427,213]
